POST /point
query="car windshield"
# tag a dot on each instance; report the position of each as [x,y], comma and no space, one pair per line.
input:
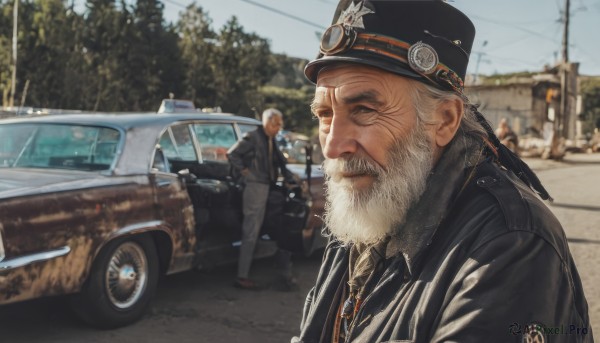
[59,146]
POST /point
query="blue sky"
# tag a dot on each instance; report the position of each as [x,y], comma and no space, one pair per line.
[521,34]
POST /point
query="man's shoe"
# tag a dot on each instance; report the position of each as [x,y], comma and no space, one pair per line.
[248,284]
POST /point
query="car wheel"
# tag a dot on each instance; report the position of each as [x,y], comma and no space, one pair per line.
[121,284]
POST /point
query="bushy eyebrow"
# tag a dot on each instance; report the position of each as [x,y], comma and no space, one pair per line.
[366,96]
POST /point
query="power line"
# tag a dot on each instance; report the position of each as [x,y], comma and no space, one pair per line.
[520,39]
[268,8]
[274,10]
[515,27]
[513,60]
[588,54]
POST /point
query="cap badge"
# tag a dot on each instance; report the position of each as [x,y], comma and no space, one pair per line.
[353,15]
[422,58]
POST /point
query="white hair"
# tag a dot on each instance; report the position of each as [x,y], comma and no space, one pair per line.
[270,113]
[426,98]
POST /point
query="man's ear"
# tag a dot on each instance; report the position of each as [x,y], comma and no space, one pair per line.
[448,117]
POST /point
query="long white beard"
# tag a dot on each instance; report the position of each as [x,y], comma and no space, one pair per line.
[367,216]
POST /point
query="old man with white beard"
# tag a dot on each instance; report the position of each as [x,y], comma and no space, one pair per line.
[438,233]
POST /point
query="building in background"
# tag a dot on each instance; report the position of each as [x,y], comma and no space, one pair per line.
[531,102]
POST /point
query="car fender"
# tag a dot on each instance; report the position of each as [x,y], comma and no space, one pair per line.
[161,233]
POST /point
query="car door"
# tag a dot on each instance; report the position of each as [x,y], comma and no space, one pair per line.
[214,140]
[187,147]
[179,148]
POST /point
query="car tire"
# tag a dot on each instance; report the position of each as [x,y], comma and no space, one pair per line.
[121,284]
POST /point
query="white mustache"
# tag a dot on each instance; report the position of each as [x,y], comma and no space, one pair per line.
[335,169]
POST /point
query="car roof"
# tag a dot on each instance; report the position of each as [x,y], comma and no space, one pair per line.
[142,131]
[129,120]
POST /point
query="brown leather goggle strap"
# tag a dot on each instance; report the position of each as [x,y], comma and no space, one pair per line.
[398,50]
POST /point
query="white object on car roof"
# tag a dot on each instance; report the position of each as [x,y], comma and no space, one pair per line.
[176,105]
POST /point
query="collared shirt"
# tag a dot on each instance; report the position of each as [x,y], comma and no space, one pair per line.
[365,264]
[270,152]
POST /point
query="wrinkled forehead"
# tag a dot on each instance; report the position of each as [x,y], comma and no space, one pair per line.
[348,80]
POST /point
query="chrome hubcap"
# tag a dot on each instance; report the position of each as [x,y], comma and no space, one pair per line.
[126,275]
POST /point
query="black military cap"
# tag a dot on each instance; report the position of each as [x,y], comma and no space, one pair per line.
[428,40]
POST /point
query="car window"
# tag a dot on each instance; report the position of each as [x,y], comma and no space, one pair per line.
[159,164]
[62,146]
[215,140]
[177,143]
[247,128]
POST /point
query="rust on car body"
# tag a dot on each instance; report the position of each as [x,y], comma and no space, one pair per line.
[56,219]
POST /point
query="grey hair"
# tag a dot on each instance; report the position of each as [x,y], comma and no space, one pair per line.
[270,113]
[426,98]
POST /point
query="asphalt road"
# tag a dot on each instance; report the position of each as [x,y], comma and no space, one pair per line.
[204,307]
[575,187]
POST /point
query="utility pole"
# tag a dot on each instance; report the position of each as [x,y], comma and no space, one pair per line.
[565,42]
[561,119]
[13,84]
[479,54]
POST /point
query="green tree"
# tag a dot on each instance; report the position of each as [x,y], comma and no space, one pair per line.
[242,63]
[76,76]
[25,42]
[197,46]
[5,68]
[153,62]
[292,93]
[5,50]
[289,72]
[104,48]
[47,52]
[295,106]
[119,56]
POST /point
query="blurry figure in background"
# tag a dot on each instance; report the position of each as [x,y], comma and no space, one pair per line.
[507,136]
[259,161]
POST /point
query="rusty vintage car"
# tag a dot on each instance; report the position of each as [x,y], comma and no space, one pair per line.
[99,206]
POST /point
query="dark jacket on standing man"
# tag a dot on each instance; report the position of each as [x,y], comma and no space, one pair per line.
[252,152]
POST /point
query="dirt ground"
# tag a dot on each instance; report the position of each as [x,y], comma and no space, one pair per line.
[204,307]
[189,307]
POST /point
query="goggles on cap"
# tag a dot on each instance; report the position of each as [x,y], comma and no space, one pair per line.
[420,57]
[337,38]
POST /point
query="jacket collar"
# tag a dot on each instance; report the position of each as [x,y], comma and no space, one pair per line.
[263,134]
[444,184]
[261,131]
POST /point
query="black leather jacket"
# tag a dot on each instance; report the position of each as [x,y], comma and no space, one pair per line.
[473,264]
[252,152]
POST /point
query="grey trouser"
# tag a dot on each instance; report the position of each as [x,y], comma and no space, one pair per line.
[254,202]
